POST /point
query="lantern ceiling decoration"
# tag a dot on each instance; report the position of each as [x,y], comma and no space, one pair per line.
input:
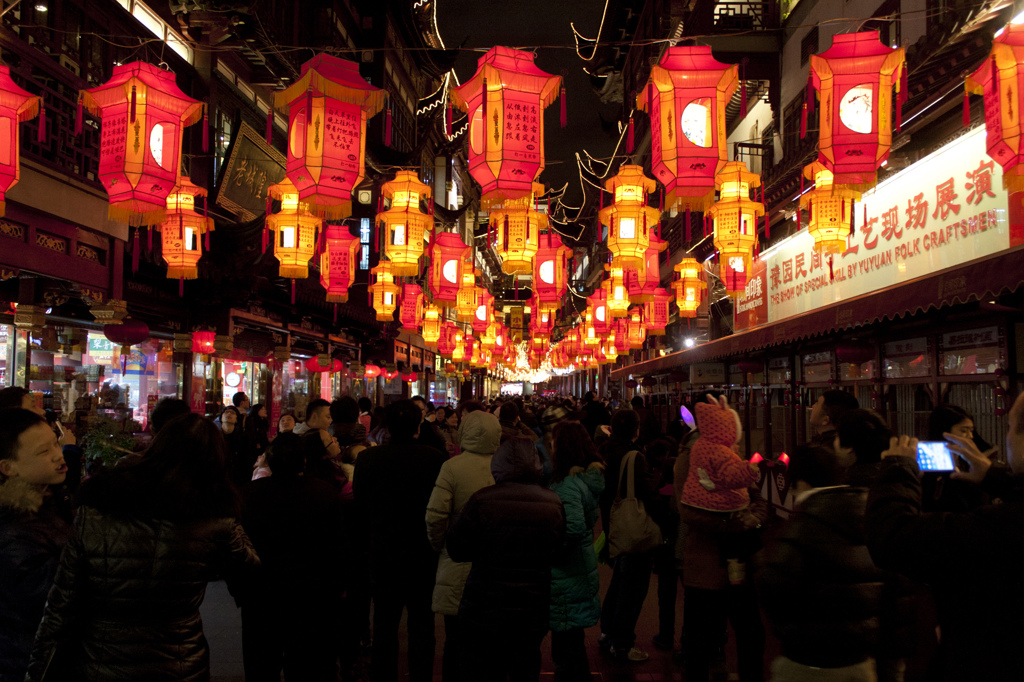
[735,217]
[295,231]
[656,312]
[181,232]
[597,315]
[686,97]
[517,226]
[484,315]
[16,106]
[542,320]
[855,79]
[829,209]
[690,287]
[642,281]
[384,291]
[449,339]
[411,312]
[468,299]
[999,79]
[549,272]
[142,115]
[629,219]
[448,255]
[405,226]
[637,333]
[505,100]
[338,262]
[327,109]
[431,325]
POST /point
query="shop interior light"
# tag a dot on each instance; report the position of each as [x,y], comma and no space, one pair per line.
[689,343]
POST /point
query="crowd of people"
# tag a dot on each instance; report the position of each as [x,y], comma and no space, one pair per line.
[498,516]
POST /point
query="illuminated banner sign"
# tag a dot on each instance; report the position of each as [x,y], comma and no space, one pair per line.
[946,210]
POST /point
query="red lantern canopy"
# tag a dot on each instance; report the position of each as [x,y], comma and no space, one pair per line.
[295,231]
[180,234]
[686,97]
[202,342]
[411,313]
[505,100]
[327,110]
[855,79]
[999,79]
[16,105]
[629,219]
[405,226]
[448,254]
[142,114]
[338,262]
[549,272]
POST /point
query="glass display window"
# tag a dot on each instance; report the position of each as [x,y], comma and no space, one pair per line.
[817,367]
[296,388]
[779,371]
[971,351]
[907,358]
[851,371]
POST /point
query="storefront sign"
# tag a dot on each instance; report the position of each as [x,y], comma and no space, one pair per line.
[971,338]
[751,309]
[948,209]
[707,373]
[252,166]
[197,394]
[908,348]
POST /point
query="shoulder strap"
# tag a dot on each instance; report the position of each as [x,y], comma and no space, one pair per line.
[628,459]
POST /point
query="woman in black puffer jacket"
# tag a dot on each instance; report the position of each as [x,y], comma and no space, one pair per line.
[147,540]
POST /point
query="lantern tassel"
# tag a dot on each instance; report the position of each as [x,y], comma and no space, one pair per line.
[149,239]
[387,127]
[136,245]
[767,228]
[206,221]
[629,136]
[41,133]
[181,287]
[270,126]
[131,111]
[803,122]
[967,109]
[563,116]
[853,218]
[689,227]
[335,313]
[78,117]
[206,129]
[266,237]
[831,272]
[743,88]
[293,291]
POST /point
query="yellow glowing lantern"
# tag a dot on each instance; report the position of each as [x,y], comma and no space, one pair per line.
[637,332]
[516,227]
[180,234]
[431,324]
[689,286]
[295,231]
[735,217]
[656,312]
[629,219]
[618,295]
[829,209]
[385,291]
[459,350]
[469,295]
[405,226]
[489,337]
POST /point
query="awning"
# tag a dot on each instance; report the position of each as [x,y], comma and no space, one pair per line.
[980,279]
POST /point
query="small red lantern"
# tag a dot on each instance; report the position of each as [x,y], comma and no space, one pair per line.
[127,334]
[338,262]
[450,341]
[202,342]
[411,312]
[686,98]
[181,233]
[410,377]
[327,108]
[371,372]
[142,114]
[16,106]
[448,255]
[505,99]
[323,363]
[642,281]
[855,78]
[484,314]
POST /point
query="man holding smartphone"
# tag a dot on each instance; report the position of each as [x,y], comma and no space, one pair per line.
[972,560]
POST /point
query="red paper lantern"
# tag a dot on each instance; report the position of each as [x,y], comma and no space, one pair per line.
[324,363]
[411,312]
[855,79]
[181,233]
[371,372]
[127,334]
[506,132]
[16,105]
[483,316]
[641,282]
[449,341]
[327,110]
[686,98]
[448,254]
[597,317]
[999,79]
[142,114]
[338,262]
[410,377]
[202,342]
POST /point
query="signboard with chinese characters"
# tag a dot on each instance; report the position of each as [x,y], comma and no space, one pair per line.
[707,373]
[971,351]
[906,358]
[251,166]
[751,308]
[946,210]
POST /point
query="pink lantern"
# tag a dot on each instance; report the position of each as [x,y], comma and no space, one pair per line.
[338,262]
[16,105]
[448,254]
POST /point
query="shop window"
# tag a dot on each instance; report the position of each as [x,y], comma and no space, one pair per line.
[364,240]
[971,351]
[906,359]
[779,371]
[817,367]
[849,371]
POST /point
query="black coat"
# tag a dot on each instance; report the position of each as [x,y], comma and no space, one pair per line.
[392,484]
[125,602]
[511,531]
[32,535]
[613,450]
[972,561]
[819,587]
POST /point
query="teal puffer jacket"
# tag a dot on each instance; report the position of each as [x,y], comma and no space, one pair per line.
[574,579]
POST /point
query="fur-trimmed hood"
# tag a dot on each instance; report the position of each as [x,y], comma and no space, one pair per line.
[17,495]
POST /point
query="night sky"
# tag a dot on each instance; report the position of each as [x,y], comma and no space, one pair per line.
[529,23]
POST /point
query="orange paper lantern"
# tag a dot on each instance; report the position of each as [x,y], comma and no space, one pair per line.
[431,325]
[689,285]
[384,291]
[656,312]
[517,227]
[642,281]
[629,219]
[735,217]
[180,234]
[405,225]
[829,209]
[295,231]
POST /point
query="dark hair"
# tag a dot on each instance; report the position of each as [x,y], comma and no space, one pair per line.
[182,477]
[254,423]
[166,410]
[286,456]
[571,447]
[864,432]
[315,405]
[365,405]
[345,410]
[12,397]
[14,422]
[448,412]
[637,401]
[418,399]
[287,413]
[839,403]
[625,424]
[814,465]
[509,412]
[230,408]
[404,417]
[588,396]
[943,418]
[238,398]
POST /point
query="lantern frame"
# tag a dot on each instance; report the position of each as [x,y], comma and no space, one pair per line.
[295,231]
[385,293]
[629,214]
[829,209]
[181,244]
[736,218]
[405,226]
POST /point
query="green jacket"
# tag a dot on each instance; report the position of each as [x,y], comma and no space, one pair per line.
[574,578]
